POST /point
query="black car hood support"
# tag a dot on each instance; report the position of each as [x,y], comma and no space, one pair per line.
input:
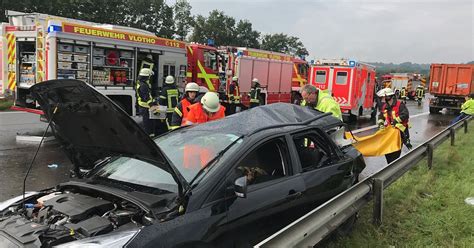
[91,127]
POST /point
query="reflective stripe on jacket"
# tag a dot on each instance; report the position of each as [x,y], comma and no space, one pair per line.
[197,115]
[169,97]
[401,122]
[143,91]
[254,94]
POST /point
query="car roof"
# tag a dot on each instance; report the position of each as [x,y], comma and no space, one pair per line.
[268,117]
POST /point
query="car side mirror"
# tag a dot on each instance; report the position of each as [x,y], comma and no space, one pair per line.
[240,187]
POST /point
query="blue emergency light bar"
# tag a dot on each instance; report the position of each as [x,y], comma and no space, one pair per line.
[352,63]
[54,28]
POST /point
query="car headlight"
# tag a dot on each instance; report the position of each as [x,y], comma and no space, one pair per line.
[116,239]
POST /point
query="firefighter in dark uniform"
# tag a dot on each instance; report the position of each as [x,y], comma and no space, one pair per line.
[233,96]
[403,94]
[145,100]
[420,93]
[255,94]
[181,111]
[169,97]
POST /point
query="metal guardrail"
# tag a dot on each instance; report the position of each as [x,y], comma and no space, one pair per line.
[320,222]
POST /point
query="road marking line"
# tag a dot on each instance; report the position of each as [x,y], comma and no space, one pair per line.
[376,126]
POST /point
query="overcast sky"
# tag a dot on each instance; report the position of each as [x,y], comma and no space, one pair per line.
[418,31]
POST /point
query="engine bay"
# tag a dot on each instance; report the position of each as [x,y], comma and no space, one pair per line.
[61,216]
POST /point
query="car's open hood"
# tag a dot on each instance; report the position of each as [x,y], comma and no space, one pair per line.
[91,127]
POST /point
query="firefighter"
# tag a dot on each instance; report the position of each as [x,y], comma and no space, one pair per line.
[394,113]
[169,97]
[233,96]
[145,100]
[403,95]
[208,109]
[319,100]
[255,93]
[420,93]
[181,110]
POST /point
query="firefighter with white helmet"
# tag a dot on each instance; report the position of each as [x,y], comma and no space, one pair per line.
[394,113]
[208,109]
[255,93]
[181,110]
[145,100]
[169,97]
[233,95]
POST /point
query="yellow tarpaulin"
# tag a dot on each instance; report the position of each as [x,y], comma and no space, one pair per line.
[380,143]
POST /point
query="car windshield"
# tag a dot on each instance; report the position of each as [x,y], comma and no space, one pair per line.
[191,150]
[136,172]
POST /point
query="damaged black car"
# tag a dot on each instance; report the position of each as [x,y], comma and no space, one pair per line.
[227,183]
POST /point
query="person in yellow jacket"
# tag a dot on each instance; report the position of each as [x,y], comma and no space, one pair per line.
[467,108]
[319,100]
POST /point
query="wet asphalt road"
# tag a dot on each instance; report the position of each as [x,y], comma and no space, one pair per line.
[16,156]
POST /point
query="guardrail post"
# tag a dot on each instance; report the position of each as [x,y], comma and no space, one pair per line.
[452,133]
[378,201]
[429,154]
[465,126]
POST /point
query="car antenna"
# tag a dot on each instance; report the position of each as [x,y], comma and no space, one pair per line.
[36,153]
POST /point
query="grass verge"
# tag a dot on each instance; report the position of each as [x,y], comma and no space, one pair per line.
[425,208]
[4,105]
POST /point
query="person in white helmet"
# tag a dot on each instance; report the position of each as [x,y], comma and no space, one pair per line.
[233,96]
[394,112]
[208,109]
[145,100]
[181,110]
[169,97]
[255,93]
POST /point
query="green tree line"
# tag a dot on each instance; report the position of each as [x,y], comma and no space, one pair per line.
[168,21]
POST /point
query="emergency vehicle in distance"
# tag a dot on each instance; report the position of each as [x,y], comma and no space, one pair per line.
[37,47]
[350,82]
[280,75]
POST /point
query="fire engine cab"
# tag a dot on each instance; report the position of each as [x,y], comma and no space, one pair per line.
[350,82]
[38,47]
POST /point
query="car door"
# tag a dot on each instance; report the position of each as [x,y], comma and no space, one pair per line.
[268,196]
[325,171]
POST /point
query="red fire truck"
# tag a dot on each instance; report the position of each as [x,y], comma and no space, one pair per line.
[351,83]
[279,75]
[38,47]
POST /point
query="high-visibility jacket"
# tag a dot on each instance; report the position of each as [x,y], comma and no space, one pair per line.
[468,107]
[403,93]
[169,97]
[143,91]
[255,95]
[234,93]
[326,104]
[420,92]
[397,114]
[197,115]
[180,113]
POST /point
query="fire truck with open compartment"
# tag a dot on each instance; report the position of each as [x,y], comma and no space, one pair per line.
[37,47]
[350,82]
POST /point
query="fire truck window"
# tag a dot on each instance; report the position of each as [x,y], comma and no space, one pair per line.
[210,60]
[341,77]
[321,77]
[172,70]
